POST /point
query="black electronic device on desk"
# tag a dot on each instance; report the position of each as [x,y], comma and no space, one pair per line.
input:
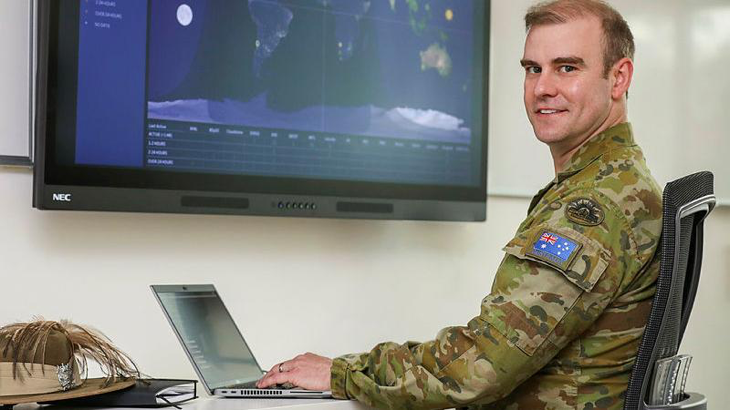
[345,109]
[145,393]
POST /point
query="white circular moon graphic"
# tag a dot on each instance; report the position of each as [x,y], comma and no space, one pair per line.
[184,15]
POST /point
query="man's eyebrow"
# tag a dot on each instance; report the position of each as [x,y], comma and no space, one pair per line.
[570,61]
[528,63]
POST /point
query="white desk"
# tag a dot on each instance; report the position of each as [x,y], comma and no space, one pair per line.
[209,403]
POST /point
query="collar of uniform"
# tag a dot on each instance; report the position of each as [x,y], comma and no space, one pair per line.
[536,199]
[618,136]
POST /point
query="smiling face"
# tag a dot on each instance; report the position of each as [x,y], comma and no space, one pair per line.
[567,97]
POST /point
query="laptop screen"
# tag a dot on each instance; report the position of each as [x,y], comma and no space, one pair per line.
[209,335]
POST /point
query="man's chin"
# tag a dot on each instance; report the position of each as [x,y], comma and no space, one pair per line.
[549,136]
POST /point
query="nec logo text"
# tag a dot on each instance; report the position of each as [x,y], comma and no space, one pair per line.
[62,197]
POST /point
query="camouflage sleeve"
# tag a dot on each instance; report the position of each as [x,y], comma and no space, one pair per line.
[539,303]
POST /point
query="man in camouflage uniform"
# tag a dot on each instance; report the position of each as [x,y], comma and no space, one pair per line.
[566,313]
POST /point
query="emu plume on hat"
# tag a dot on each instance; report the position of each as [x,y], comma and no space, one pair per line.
[43,361]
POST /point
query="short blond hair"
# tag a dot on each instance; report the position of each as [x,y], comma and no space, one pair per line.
[617,37]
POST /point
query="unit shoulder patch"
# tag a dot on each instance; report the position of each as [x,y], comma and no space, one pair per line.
[584,211]
[554,249]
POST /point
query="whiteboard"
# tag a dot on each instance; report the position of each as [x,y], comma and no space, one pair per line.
[15,78]
[679,102]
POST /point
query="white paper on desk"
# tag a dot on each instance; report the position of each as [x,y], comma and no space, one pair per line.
[176,394]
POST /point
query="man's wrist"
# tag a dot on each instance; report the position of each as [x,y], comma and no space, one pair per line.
[338,379]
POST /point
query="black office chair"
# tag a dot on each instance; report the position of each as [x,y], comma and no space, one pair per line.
[687,202]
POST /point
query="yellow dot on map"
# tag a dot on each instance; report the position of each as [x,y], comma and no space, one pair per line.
[449,14]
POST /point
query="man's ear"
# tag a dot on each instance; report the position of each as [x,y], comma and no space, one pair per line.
[622,73]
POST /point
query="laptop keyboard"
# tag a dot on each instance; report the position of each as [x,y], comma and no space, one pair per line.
[248,385]
[252,385]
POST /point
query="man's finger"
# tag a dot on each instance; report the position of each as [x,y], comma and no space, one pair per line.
[286,366]
[267,376]
[271,379]
[274,377]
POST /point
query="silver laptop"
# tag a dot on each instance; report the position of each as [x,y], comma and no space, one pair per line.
[214,345]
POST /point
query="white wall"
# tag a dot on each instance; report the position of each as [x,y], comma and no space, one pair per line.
[677,102]
[332,286]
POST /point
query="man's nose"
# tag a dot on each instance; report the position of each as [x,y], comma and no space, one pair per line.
[546,85]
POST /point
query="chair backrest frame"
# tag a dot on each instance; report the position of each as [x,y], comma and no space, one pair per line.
[668,318]
[705,204]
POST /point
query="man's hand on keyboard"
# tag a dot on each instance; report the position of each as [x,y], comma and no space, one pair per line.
[307,371]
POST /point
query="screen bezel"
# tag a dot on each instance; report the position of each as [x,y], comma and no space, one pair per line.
[58,20]
[158,290]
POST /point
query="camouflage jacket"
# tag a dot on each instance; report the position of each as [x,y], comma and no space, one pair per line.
[566,313]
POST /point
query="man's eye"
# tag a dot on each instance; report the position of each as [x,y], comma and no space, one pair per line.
[567,69]
[534,70]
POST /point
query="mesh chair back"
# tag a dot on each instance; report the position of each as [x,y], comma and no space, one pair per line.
[686,203]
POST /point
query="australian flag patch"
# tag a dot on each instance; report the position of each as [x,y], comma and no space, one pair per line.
[554,249]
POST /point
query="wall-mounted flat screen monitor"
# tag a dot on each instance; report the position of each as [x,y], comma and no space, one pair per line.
[322,108]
